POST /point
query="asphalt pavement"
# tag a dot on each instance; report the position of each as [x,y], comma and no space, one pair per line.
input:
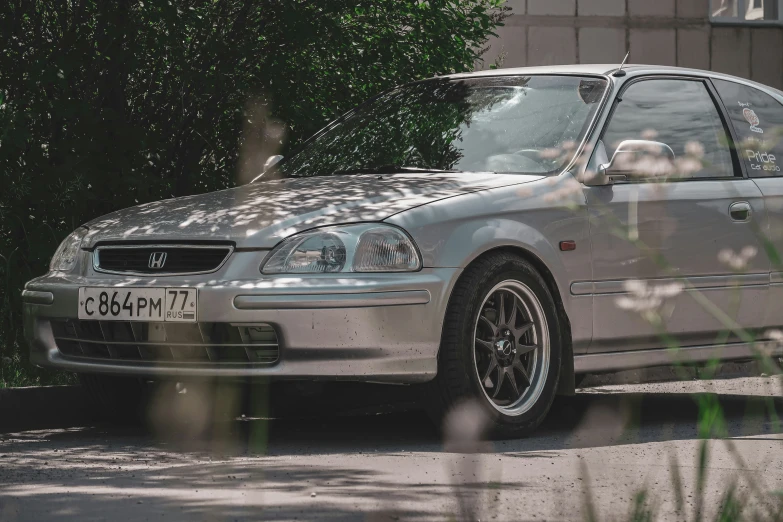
[378,460]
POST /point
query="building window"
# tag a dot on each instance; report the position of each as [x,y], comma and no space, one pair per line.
[747,12]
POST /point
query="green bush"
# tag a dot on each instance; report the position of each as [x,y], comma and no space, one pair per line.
[105,104]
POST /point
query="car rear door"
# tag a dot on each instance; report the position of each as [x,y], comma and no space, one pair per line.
[757,121]
[694,226]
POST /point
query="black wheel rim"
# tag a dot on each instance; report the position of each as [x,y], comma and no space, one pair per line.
[511,352]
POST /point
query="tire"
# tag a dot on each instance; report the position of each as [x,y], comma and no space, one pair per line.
[117,399]
[473,336]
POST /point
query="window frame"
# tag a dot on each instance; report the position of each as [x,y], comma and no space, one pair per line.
[740,18]
[739,167]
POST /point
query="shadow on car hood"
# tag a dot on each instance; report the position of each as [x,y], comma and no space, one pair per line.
[260,214]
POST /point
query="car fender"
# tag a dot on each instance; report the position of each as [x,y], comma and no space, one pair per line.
[454,232]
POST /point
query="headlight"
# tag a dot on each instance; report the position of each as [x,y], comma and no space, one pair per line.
[64,259]
[350,248]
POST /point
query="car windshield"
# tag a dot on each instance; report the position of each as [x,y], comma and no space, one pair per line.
[508,124]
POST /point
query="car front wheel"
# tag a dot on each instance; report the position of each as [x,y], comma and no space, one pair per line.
[501,346]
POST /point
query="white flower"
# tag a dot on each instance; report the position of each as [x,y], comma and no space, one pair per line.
[564,191]
[774,335]
[635,286]
[749,252]
[649,134]
[650,166]
[549,154]
[647,299]
[695,149]
[688,166]
[737,261]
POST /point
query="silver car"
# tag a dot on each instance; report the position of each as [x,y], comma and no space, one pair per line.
[494,235]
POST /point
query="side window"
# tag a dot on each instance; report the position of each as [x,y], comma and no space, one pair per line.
[757,119]
[679,113]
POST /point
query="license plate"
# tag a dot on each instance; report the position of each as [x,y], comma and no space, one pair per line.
[139,304]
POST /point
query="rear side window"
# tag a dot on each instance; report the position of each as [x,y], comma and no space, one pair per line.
[757,118]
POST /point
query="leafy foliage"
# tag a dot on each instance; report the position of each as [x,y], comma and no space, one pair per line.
[106,104]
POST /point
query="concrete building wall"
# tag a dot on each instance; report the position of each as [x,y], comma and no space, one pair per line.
[661,32]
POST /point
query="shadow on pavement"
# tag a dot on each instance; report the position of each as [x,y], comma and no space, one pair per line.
[382,418]
[231,469]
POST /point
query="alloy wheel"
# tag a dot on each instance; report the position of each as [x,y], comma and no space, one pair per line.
[511,353]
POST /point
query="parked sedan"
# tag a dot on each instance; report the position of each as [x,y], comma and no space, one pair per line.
[485,233]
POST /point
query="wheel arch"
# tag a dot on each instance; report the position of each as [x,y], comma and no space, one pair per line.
[566,385]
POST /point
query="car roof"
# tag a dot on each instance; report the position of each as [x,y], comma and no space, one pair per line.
[548,69]
[594,69]
[606,69]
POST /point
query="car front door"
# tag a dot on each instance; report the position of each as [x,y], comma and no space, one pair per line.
[691,222]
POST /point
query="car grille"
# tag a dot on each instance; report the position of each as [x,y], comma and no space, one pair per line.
[215,343]
[161,259]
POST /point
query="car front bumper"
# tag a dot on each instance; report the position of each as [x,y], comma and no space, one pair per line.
[369,327]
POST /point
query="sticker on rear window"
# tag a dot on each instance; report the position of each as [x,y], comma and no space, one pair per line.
[753,119]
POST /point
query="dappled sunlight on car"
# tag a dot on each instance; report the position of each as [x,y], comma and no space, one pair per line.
[267,211]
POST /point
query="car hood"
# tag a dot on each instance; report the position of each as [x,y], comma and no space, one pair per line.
[259,215]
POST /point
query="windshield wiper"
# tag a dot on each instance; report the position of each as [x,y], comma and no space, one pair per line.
[391,169]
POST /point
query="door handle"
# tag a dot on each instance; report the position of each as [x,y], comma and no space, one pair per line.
[740,211]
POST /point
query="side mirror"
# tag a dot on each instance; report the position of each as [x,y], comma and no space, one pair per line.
[272,161]
[631,150]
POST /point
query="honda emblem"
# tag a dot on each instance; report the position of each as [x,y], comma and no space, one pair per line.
[157,260]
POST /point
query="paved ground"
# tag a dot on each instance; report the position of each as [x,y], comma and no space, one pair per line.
[393,466]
